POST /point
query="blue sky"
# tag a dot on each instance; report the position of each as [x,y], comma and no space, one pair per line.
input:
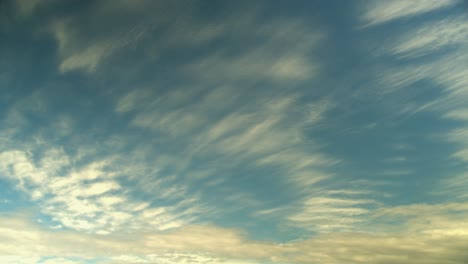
[240,132]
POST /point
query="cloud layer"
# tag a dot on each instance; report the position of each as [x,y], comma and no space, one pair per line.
[247,133]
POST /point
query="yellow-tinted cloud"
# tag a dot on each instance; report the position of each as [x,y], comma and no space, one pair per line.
[428,234]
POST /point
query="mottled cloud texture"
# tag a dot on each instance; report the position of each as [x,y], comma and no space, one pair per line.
[237,133]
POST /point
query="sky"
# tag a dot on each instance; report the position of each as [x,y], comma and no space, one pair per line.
[233,132]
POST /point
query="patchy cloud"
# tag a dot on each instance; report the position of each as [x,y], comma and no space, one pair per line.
[245,133]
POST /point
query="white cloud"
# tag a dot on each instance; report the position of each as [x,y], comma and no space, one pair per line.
[460,137]
[88,199]
[175,123]
[80,51]
[264,133]
[454,186]
[423,233]
[378,12]
[131,100]
[198,243]
[267,134]
[257,64]
[460,114]
[448,70]
[296,160]
[61,261]
[328,213]
[253,130]
[54,159]
[445,40]
[12,259]
[178,258]
[88,59]
[279,56]
[432,219]
[433,36]
[227,125]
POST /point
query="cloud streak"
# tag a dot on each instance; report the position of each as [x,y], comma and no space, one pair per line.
[379,12]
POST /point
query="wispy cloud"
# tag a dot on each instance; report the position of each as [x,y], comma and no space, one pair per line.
[81,49]
[460,114]
[340,211]
[228,126]
[88,199]
[378,12]
[280,55]
[433,37]
[455,186]
[88,55]
[157,125]
[442,42]
[429,234]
